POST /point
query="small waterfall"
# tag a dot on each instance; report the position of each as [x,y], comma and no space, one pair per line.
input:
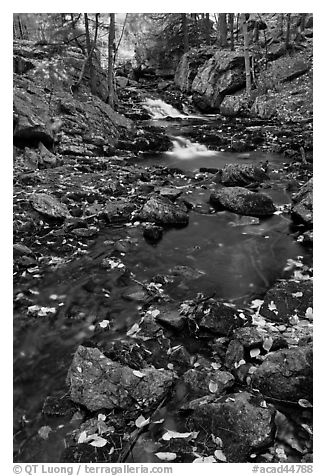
[160,109]
[185,149]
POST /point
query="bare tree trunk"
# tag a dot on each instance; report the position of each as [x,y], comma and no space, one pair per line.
[237,27]
[207,29]
[88,60]
[231,26]
[246,52]
[223,29]
[288,30]
[185,36]
[280,24]
[111,60]
[122,32]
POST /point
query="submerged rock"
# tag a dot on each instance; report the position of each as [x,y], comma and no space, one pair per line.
[286,374]
[243,421]
[98,382]
[49,206]
[153,233]
[162,211]
[242,201]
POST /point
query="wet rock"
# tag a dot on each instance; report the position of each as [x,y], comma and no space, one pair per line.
[241,420]
[58,406]
[21,250]
[97,382]
[286,299]
[302,209]
[204,382]
[118,211]
[234,354]
[249,337]
[171,317]
[286,374]
[221,75]
[242,174]
[242,201]
[170,192]
[84,232]
[49,206]
[163,212]
[136,293]
[121,81]
[219,319]
[308,238]
[187,272]
[153,233]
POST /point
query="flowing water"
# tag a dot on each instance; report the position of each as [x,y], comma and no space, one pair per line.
[213,254]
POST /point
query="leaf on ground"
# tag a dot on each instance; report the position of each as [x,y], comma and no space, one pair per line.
[298,294]
[205,459]
[82,437]
[254,352]
[175,434]
[212,386]
[138,374]
[98,442]
[133,330]
[215,365]
[101,417]
[309,313]
[105,323]
[220,455]
[268,343]
[294,320]
[304,403]
[256,303]
[166,456]
[142,421]
[272,307]
[44,431]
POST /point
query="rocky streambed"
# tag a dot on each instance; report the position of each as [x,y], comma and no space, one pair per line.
[162,298]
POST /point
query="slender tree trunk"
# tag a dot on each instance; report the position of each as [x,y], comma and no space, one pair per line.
[223,29]
[111,60]
[288,30]
[122,32]
[280,24]
[231,26]
[185,32]
[246,52]
[237,26]
[90,46]
[207,29]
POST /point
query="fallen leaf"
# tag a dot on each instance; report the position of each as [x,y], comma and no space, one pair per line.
[298,294]
[304,403]
[205,459]
[142,421]
[166,456]
[98,442]
[309,314]
[175,434]
[254,352]
[220,455]
[105,323]
[138,374]
[44,431]
[268,343]
[212,386]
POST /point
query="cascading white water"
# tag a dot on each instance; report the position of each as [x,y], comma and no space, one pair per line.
[159,109]
[185,149]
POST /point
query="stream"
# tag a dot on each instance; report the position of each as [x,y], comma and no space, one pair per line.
[216,254]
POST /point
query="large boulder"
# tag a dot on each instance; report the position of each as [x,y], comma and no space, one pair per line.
[221,75]
[98,382]
[188,66]
[162,211]
[286,374]
[287,299]
[47,110]
[242,175]
[219,318]
[244,422]
[242,201]
[302,209]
